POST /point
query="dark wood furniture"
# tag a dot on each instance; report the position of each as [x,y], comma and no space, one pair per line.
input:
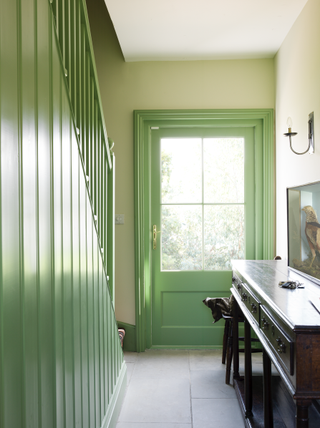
[288,327]
[227,350]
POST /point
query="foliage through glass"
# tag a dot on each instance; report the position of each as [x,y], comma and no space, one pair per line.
[202,203]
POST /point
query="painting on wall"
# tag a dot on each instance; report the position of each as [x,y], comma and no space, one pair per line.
[303,210]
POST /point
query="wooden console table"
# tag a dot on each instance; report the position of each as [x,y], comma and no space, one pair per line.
[288,327]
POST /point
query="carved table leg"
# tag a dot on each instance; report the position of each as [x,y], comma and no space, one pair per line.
[247,370]
[267,391]
[235,326]
[302,418]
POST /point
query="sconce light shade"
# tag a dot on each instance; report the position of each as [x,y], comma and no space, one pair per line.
[291,134]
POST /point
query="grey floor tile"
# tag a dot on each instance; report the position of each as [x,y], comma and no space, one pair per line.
[179,389]
[208,359]
[154,364]
[173,356]
[151,425]
[159,400]
[222,413]
[210,384]
[131,357]
[130,369]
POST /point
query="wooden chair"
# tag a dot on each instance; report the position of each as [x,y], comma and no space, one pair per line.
[221,309]
[227,349]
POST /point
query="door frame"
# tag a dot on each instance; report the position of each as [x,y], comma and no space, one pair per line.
[144,120]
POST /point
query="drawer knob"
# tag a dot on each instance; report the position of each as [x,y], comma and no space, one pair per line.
[239,286]
[244,297]
[253,308]
[265,324]
[281,346]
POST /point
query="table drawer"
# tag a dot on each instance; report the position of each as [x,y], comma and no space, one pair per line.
[281,344]
[249,299]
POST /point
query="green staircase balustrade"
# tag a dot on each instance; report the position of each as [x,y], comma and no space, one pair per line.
[74,39]
[61,363]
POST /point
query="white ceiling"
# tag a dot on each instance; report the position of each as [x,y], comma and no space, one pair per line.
[166,30]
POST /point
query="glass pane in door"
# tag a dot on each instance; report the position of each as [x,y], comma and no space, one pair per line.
[224,237]
[223,170]
[181,237]
[181,170]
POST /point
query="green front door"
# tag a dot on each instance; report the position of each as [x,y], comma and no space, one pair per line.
[202,215]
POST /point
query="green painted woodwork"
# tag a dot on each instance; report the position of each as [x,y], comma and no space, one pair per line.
[262,121]
[130,341]
[77,59]
[111,180]
[178,314]
[61,364]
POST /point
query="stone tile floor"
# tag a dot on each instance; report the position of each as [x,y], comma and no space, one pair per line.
[179,389]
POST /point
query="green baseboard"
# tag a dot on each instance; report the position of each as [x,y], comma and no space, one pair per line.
[114,407]
[130,341]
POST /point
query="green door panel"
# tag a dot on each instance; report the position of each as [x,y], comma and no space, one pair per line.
[178,313]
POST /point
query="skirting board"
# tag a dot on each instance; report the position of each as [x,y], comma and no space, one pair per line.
[111,417]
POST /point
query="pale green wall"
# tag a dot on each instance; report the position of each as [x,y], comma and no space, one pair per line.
[297,78]
[160,85]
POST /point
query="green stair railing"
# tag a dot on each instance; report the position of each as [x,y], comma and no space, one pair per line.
[61,363]
[77,56]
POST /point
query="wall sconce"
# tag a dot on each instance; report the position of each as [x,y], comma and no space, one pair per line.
[290,134]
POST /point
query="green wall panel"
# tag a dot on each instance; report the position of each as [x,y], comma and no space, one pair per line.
[61,365]
[11,292]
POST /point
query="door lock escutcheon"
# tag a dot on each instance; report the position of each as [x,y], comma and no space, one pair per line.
[154,236]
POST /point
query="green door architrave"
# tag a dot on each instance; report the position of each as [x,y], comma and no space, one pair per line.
[261,121]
